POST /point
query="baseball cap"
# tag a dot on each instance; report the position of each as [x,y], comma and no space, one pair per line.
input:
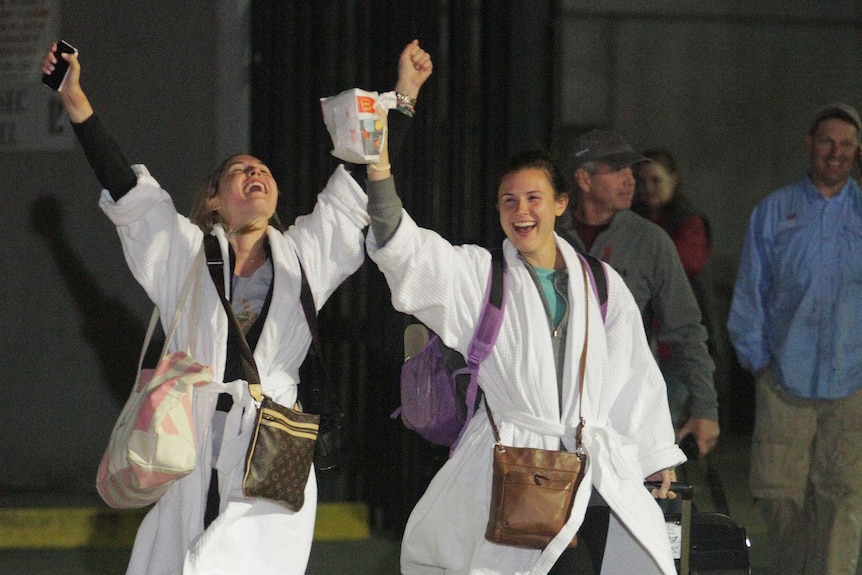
[836,110]
[605,147]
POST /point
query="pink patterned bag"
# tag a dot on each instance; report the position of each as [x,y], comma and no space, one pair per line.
[153,443]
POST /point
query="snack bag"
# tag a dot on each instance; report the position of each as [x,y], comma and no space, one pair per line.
[354,119]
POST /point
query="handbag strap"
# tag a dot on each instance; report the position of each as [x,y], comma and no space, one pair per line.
[191,277]
[215,264]
[582,367]
[321,398]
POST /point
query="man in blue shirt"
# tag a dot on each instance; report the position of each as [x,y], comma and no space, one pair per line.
[796,323]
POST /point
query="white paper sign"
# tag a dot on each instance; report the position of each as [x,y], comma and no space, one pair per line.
[31,114]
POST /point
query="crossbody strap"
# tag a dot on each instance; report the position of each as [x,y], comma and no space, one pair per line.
[583,362]
[215,264]
[582,368]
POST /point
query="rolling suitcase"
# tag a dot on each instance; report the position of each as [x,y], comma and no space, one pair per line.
[703,543]
[718,545]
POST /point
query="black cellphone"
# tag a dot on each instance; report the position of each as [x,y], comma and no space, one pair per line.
[55,79]
[688,445]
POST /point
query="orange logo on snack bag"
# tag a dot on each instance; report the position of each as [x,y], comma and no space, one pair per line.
[365,104]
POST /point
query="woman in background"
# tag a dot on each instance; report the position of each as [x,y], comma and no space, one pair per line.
[659,198]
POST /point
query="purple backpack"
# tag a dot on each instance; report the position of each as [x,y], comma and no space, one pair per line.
[439,389]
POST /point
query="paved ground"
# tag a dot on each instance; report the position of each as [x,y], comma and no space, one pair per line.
[378,555]
[375,555]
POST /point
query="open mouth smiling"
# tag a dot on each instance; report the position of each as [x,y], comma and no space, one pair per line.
[254,187]
[524,227]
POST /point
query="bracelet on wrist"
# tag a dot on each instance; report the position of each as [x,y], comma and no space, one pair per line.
[405,99]
[374,168]
[405,109]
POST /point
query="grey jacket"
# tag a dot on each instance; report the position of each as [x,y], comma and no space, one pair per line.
[645,256]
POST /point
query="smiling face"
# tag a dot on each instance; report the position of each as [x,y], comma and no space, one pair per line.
[832,148]
[528,208]
[246,194]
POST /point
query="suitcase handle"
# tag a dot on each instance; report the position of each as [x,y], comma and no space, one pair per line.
[683,490]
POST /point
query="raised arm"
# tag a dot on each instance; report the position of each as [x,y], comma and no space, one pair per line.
[74,99]
[384,205]
[414,68]
[103,154]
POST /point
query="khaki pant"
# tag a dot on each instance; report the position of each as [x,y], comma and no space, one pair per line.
[806,472]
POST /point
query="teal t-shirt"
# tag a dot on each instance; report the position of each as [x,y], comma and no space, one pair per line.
[555,301]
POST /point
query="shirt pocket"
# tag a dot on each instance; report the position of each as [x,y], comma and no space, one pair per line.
[850,256]
[794,244]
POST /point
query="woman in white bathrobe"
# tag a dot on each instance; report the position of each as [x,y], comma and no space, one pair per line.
[262,276]
[533,392]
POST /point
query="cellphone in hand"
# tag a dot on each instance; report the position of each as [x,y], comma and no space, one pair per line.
[688,445]
[55,79]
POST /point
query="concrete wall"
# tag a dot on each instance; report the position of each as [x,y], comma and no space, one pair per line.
[727,86]
[152,71]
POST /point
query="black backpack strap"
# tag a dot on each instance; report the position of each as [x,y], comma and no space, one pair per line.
[598,280]
[497,277]
[307,301]
[318,395]
[470,396]
[599,276]
[452,359]
[316,392]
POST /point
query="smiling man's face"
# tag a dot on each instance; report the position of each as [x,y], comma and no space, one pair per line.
[832,148]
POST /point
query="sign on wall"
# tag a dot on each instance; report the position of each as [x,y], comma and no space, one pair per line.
[31,115]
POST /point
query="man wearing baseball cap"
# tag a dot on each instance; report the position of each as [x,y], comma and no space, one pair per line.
[646,258]
[796,323]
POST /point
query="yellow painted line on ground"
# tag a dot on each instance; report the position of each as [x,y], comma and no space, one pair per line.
[67,528]
[340,521]
[95,527]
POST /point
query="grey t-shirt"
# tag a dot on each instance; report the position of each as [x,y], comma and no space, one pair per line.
[248,295]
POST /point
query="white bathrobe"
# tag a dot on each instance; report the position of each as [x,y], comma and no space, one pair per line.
[250,536]
[628,433]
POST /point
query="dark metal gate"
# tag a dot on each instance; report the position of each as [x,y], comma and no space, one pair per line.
[488,61]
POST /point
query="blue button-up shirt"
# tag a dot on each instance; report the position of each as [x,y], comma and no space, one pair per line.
[797,302]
